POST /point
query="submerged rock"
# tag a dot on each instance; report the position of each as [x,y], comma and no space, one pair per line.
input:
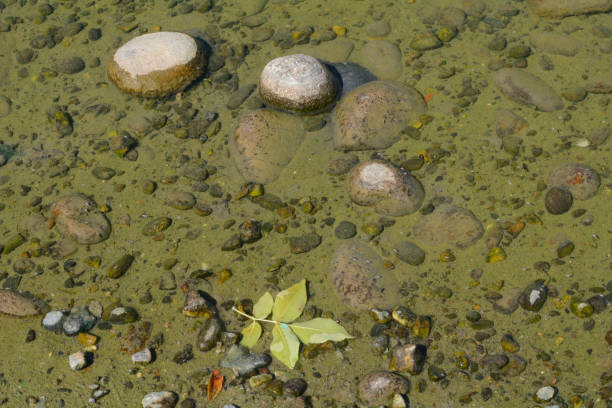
[563,8]
[555,43]
[409,252]
[352,75]
[389,189]
[78,218]
[264,142]
[157,64]
[449,225]
[383,58]
[581,181]
[523,87]
[379,386]
[374,115]
[18,304]
[357,276]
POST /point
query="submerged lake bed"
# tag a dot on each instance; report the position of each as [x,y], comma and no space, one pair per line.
[300,203]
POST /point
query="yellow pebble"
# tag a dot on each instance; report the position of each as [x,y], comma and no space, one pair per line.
[339,30]
[297,35]
[417,124]
[87,339]
[495,255]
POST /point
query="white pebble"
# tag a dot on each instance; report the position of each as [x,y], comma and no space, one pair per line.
[143,356]
[77,361]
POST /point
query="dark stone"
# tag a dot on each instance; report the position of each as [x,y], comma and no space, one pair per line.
[209,334]
[70,65]
[495,361]
[409,253]
[558,200]
[304,243]
[345,230]
[294,387]
[534,296]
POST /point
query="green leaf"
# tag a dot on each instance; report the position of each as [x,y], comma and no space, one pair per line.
[319,330]
[290,303]
[263,307]
[250,334]
[285,345]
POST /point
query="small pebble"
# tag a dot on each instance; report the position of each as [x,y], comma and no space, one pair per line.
[78,360]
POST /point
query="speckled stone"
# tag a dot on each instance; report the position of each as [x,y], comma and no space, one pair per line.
[528,89]
[373,115]
[389,189]
[449,225]
[582,181]
[357,275]
[264,142]
[562,8]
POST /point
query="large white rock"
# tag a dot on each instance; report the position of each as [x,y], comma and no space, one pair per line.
[157,64]
[297,83]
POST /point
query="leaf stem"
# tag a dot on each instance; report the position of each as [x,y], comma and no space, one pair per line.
[253,317]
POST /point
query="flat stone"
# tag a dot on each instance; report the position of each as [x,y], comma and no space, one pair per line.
[240,95]
[338,50]
[527,89]
[5,106]
[409,252]
[555,43]
[304,243]
[264,142]
[383,58]
[563,8]
[601,84]
[449,225]
[508,303]
[357,276]
[18,304]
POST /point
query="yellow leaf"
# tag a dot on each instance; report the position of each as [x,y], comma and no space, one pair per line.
[285,345]
[263,307]
[250,334]
[319,330]
[290,303]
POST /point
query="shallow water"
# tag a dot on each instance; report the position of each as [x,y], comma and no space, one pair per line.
[475,173]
